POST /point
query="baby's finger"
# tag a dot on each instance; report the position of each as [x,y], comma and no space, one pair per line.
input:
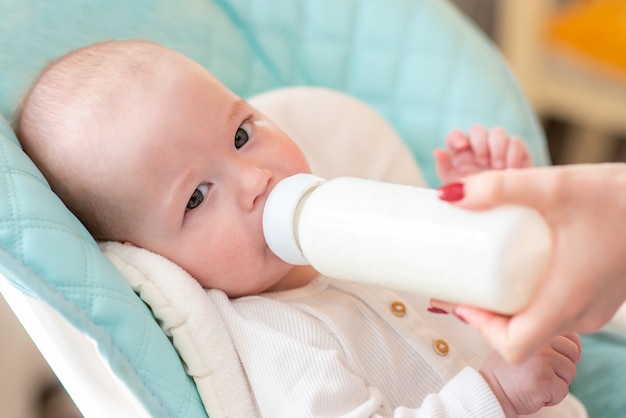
[559,387]
[457,141]
[569,345]
[517,155]
[443,165]
[563,367]
[479,144]
[498,145]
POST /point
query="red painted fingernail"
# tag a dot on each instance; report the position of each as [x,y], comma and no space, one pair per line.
[451,192]
[459,317]
[432,309]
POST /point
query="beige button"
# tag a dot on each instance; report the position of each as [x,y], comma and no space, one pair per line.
[441,347]
[398,308]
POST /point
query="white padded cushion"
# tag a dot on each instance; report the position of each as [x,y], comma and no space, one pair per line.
[189,318]
[340,136]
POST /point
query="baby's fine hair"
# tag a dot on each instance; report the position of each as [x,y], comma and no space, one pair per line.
[69,101]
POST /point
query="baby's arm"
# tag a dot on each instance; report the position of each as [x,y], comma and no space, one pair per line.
[542,380]
[479,150]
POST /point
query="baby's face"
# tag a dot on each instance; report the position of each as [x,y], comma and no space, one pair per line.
[200,164]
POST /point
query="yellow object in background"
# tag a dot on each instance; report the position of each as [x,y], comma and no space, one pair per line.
[592,29]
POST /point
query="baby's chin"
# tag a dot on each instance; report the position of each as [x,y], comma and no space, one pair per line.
[298,276]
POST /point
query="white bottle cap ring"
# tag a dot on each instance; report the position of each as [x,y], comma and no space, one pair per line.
[278,216]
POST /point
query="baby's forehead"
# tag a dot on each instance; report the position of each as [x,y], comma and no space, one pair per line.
[120,63]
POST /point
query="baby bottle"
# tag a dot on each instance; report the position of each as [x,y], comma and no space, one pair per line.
[405,238]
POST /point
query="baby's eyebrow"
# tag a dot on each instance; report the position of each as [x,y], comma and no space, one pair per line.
[237,108]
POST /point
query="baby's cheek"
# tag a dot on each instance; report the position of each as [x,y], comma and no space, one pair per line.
[301,163]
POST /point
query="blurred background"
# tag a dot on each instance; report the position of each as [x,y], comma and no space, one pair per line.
[570,59]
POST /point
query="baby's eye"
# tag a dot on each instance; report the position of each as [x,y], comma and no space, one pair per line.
[198,196]
[243,134]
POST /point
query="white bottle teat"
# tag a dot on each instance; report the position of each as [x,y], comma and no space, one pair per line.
[280,214]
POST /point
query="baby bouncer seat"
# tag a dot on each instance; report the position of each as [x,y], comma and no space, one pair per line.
[422,65]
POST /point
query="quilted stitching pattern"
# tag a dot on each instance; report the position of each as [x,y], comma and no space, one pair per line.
[36,228]
[417,61]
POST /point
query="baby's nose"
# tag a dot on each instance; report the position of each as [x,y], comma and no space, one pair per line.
[252,185]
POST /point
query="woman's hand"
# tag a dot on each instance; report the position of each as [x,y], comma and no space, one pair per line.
[585,281]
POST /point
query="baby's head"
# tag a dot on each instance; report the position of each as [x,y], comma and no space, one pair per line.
[146,146]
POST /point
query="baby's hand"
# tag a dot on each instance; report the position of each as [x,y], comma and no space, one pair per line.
[480,150]
[542,380]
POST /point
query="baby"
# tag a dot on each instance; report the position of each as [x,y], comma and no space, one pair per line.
[146,146]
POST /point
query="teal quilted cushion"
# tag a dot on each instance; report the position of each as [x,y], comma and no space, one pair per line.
[418,62]
[68,271]
[600,373]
